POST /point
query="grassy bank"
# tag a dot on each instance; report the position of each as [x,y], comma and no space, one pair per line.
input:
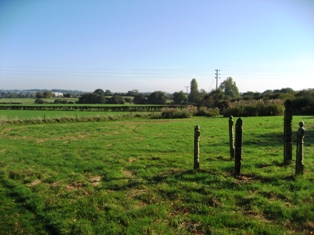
[135,176]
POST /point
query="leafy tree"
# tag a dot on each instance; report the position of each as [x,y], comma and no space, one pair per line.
[116,99]
[140,99]
[194,93]
[108,93]
[40,101]
[179,97]
[92,98]
[67,95]
[157,97]
[39,95]
[47,94]
[230,88]
[134,92]
[100,92]
[213,99]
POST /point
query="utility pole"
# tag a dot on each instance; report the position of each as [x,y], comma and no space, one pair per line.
[217,77]
[187,94]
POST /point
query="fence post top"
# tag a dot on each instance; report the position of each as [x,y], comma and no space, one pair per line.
[288,104]
[239,121]
[301,124]
[197,127]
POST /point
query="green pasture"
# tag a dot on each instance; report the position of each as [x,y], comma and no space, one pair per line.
[135,176]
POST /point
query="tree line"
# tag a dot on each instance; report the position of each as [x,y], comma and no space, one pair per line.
[226,97]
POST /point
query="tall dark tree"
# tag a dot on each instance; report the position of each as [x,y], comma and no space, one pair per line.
[230,88]
[194,93]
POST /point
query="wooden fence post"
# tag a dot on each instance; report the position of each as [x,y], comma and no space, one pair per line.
[238,147]
[300,143]
[197,134]
[287,133]
[231,137]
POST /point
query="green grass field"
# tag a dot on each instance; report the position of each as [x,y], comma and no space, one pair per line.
[135,176]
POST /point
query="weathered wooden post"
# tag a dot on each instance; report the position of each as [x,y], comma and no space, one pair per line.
[231,137]
[287,133]
[197,134]
[238,147]
[300,142]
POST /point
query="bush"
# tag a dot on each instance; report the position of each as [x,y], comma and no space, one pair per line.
[40,101]
[175,113]
[60,101]
[208,112]
[303,105]
[255,108]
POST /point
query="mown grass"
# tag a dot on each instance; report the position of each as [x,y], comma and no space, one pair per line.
[135,176]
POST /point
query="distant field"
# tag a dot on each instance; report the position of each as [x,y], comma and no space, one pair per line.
[135,176]
[36,114]
[31,101]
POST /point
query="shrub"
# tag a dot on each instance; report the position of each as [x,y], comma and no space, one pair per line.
[175,113]
[40,101]
[255,108]
[208,112]
[60,101]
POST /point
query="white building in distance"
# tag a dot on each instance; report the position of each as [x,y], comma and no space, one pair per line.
[57,94]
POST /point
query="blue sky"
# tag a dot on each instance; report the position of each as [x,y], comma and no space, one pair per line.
[151,45]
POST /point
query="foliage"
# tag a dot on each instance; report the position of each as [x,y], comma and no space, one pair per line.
[208,112]
[47,94]
[108,93]
[134,92]
[92,98]
[140,99]
[116,99]
[194,92]
[67,95]
[254,108]
[40,101]
[212,99]
[229,88]
[39,95]
[179,98]
[157,97]
[303,103]
[100,92]
[61,101]
[175,113]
